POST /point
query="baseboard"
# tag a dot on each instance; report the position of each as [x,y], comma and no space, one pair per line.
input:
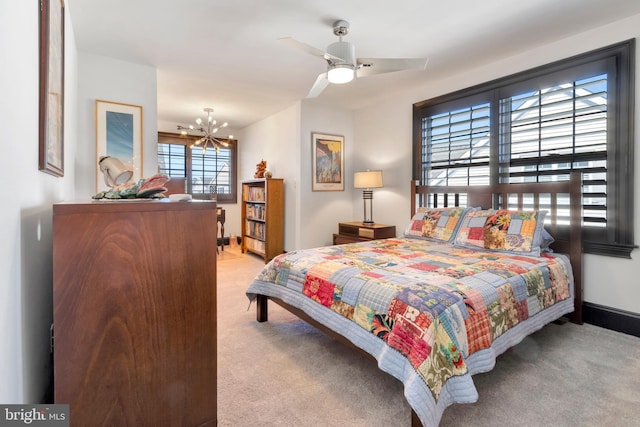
[611,318]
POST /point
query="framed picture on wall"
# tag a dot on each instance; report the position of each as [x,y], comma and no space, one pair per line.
[119,135]
[328,162]
[51,104]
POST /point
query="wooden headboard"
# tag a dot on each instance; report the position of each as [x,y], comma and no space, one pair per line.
[562,200]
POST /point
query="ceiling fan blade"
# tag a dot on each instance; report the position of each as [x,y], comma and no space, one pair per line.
[320,84]
[309,49]
[371,66]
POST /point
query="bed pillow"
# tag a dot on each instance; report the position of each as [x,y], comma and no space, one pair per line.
[438,224]
[503,230]
[546,239]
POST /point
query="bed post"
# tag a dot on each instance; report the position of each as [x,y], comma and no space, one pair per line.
[414,183]
[262,312]
[415,421]
[575,249]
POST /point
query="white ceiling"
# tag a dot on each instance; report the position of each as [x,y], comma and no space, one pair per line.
[226,54]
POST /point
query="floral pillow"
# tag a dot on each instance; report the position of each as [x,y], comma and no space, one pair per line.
[502,230]
[435,223]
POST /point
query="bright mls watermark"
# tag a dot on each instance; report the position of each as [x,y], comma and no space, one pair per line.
[34,415]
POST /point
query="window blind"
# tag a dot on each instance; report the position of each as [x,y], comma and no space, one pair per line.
[456,147]
[548,133]
[575,114]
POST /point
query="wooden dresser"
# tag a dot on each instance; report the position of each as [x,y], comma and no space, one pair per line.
[134,310]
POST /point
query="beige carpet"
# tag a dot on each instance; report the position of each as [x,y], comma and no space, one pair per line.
[286,373]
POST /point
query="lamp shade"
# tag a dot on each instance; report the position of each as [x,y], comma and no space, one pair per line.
[368,179]
[340,74]
[115,172]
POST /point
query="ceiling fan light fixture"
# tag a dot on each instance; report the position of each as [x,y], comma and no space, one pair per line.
[342,70]
[340,74]
[342,64]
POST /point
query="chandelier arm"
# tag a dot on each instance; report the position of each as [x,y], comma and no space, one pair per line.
[221,142]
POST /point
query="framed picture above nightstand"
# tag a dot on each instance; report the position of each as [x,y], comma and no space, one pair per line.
[351,232]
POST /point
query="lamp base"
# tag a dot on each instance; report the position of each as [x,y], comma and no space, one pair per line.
[367,198]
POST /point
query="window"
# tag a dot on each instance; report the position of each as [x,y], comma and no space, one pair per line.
[540,125]
[208,173]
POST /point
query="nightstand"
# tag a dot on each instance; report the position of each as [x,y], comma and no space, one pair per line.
[351,232]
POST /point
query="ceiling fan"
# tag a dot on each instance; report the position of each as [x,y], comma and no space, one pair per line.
[342,64]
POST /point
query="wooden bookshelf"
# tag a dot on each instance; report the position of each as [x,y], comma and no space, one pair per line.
[263,217]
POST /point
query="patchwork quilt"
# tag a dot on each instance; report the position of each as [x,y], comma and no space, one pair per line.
[420,303]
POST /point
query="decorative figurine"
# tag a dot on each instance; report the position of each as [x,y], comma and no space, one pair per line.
[260,169]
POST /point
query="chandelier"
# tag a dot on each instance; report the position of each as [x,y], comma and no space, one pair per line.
[211,128]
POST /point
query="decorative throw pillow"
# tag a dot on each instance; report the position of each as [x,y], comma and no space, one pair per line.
[502,230]
[435,223]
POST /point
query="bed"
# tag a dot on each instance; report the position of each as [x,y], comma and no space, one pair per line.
[472,275]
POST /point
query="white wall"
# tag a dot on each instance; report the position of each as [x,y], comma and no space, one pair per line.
[25,216]
[383,141]
[284,141]
[113,80]
[320,211]
[276,140]
[607,281]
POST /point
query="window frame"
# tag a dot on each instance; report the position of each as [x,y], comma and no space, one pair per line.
[187,141]
[618,239]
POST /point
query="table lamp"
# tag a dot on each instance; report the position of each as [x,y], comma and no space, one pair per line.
[368,179]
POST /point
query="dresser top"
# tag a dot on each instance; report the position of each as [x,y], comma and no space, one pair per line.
[129,205]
